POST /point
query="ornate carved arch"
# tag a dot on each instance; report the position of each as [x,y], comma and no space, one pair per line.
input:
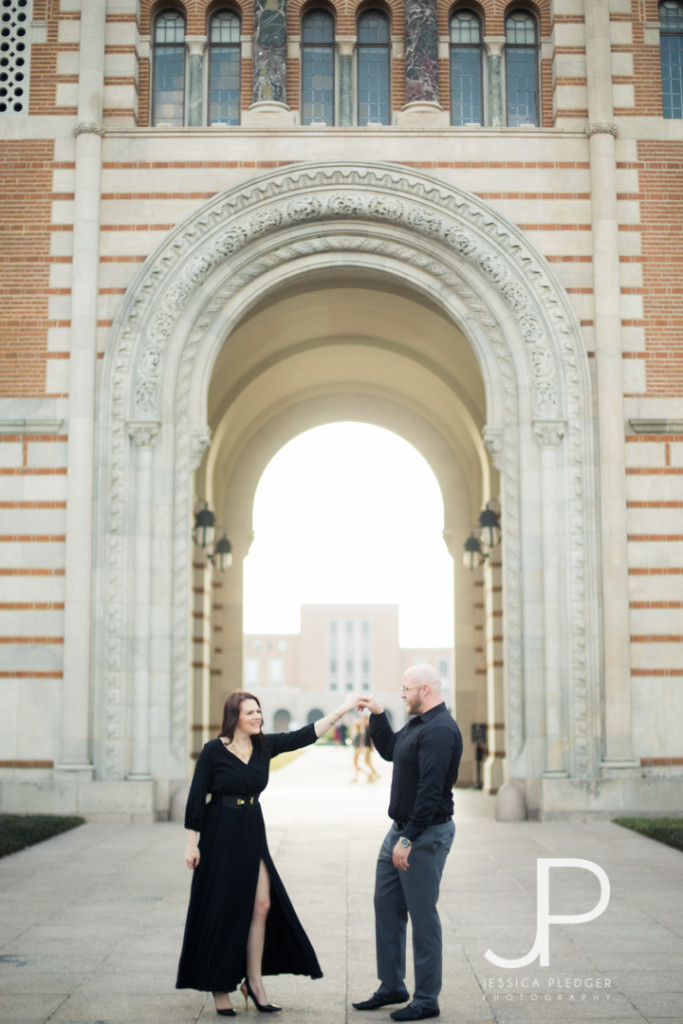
[193,290]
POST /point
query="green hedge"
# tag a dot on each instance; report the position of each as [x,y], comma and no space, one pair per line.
[664,830]
[17,831]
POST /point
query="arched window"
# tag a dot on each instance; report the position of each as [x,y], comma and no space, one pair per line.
[169,70]
[466,64]
[373,68]
[317,70]
[521,68]
[224,68]
[671,51]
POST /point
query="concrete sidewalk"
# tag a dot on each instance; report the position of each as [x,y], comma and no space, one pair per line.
[91,922]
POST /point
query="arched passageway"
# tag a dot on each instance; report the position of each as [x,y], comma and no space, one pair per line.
[347,292]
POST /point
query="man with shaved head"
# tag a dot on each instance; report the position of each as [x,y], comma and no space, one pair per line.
[426,754]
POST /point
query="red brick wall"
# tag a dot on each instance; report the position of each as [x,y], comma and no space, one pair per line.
[661,204]
[25,193]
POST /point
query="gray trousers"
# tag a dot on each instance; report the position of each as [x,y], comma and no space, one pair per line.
[414,892]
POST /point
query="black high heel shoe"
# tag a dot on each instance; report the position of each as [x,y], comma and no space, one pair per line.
[228,1012]
[245,989]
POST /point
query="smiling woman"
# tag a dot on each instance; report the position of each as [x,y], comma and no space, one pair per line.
[240,923]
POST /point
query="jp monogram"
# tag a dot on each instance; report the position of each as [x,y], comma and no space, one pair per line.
[541,946]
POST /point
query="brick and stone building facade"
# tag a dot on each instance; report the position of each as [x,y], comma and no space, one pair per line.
[223,224]
[347,647]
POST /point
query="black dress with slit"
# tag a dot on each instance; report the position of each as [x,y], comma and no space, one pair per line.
[232,843]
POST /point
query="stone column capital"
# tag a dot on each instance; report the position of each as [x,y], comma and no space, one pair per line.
[241,540]
[346,45]
[196,45]
[494,441]
[143,433]
[494,45]
[602,128]
[88,128]
[549,433]
[199,442]
[453,541]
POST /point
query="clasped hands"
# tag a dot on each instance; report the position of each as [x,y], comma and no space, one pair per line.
[362,702]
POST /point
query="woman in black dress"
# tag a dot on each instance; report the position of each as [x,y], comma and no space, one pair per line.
[240,922]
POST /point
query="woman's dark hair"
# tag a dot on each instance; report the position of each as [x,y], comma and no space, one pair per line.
[231,714]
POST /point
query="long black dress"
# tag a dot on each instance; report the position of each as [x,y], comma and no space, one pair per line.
[232,844]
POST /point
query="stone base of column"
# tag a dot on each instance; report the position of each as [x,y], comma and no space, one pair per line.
[267,115]
[422,114]
[72,794]
[605,798]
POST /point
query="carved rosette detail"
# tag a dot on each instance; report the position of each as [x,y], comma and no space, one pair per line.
[422,223]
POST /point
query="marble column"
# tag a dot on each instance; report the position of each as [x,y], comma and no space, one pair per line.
[143,436]
[345,48]
[270,51]
[494,53]
[602,131]
[76,754]
[196,45]
[421,52]
[549,433]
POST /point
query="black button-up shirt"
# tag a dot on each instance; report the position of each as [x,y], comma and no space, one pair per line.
[426,753]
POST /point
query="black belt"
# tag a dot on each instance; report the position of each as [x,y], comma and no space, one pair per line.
[234,801]
[400,825]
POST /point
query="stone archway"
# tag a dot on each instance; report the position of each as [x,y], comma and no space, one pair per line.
[188,298]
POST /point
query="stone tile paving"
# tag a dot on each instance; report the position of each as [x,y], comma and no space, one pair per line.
[91,921]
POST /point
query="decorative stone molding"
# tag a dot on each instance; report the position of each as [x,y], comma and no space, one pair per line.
[30,426]
[88,128]
[602,128]
[657,426]
[463,226]
[468,257]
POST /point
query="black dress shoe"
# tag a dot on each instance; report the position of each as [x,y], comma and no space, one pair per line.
[377,1000]
[413,1012]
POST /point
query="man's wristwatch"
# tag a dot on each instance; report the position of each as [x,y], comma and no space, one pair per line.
[404,841]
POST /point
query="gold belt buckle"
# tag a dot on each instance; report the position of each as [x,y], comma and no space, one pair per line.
[240,801]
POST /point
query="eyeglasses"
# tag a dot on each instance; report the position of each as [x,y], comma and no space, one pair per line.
[417,686]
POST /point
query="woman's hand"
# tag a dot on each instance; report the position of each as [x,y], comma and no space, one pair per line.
[191,854]
[350,704]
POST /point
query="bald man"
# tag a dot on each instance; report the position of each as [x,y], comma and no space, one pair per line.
[426,754]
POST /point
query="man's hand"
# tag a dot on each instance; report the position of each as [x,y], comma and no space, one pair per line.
[400,857]
[371,704]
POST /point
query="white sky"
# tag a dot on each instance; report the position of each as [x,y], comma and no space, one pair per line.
[349,513]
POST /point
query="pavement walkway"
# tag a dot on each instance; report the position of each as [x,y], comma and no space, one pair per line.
[91,921]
